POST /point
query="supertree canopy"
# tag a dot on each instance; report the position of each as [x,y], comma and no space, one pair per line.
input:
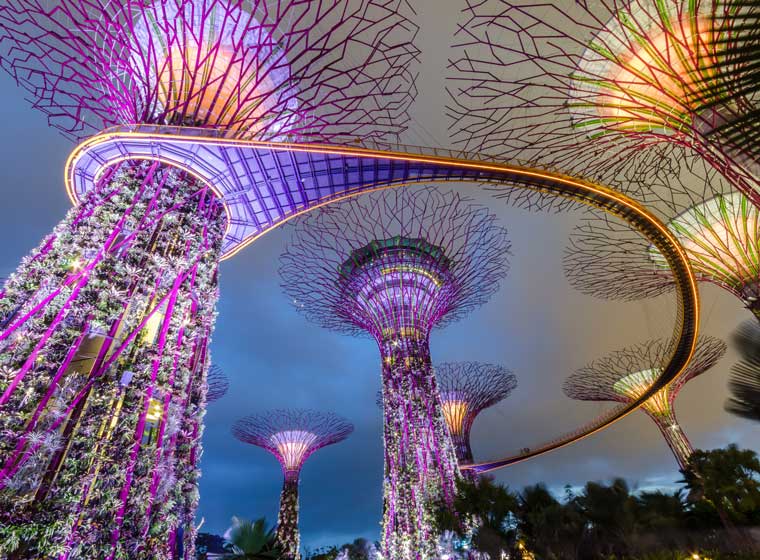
[395,266]
[104,328]
[466,389]
[584,84]
[625,375]
[718,228]
[217,384]
[291,436]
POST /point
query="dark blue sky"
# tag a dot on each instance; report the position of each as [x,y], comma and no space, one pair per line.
[536,325]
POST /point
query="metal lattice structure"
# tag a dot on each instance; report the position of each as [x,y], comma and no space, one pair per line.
[718,228]
[395,266]
[625,375]
[586,85]
[466,389]
[217,384]
[262,68]
[125,287]
[291,436]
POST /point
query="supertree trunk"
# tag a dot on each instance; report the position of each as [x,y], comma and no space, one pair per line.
[288,535]
[675,437]
[420,466]
[102,349]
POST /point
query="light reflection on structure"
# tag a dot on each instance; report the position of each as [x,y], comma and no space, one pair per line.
[624,375]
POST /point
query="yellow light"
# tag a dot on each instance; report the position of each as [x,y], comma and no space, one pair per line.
[636,384]
[454,412]
[413,270]
[155,411]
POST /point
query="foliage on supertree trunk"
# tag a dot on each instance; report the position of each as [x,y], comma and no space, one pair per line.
[103,352]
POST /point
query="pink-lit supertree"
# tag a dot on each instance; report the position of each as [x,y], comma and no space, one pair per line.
[396,265]
[582,85]
[624,375]
[104,328]
[291,436]
[466,389]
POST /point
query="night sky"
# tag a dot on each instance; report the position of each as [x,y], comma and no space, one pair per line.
[536,324]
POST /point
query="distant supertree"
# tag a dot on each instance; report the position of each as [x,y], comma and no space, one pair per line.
[104,328]
[624,375]
[580,85]
[718,228]
[466,389]
[395,266]
[217,384]
[291,436]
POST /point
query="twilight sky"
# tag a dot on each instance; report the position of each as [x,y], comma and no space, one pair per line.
[537,325]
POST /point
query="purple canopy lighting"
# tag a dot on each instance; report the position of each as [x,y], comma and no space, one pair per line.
[291,436]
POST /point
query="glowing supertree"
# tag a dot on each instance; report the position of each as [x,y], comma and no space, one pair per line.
[104,329]
[466,389]
[585,84]
[718,228]
[291,436]
[624,375]
[395,266]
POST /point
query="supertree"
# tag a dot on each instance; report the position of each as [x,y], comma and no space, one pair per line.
[104,328]
[394,266]
[217,384]
[718,228]
[291,436]
[624,375]
[466,389]
[581,85]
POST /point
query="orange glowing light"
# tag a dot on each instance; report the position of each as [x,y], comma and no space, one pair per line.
[454,412]
[635,385]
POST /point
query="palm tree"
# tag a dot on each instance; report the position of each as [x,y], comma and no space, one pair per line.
[741,49]
[252,540]
[745,374]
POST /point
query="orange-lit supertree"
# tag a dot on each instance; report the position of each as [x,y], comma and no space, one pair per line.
[581,85]
[624,375]
[718,228]
[291,436]
[466,389]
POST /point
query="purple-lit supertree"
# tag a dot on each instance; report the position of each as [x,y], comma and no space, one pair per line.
[624,375]
[718,228]
[104,328]
[395,265]
[466,389]
[291,436]
[584,84]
